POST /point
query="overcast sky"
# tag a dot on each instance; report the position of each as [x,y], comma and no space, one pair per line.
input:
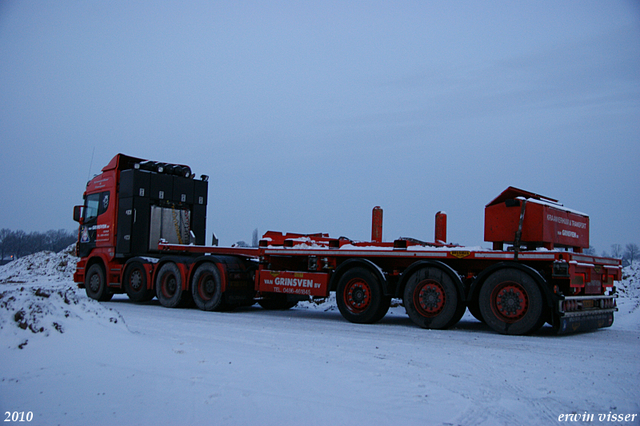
[307,114]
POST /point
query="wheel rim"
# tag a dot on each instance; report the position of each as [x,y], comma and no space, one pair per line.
[357,295]
[429,298]
[206,287]
[135,280]
[169,285]
[94,283]
[509,301]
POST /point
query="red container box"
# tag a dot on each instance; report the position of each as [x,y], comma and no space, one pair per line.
[545,222]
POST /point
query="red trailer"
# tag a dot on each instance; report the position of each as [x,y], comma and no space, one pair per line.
[142,231]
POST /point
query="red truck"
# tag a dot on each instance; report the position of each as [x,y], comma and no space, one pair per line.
[142,232]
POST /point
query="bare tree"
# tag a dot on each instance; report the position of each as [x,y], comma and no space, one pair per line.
[631,252]
[4,233]
[616,251]
[591,251]
[18,243]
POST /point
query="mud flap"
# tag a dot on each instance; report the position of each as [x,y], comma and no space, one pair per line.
[580,323]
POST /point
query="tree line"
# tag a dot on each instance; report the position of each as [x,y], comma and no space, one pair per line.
[16,244]
[628,254]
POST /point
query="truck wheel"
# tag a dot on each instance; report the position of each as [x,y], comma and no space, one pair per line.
[277,302]
[95,284]
[511,302]
[431,299]
[135,283]
[359,296]
[206,287]
[169,285]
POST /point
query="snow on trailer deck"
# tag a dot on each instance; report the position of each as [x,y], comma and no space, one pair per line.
[127,364]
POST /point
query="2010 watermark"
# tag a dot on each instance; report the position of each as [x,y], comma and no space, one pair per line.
[592,417]
[18,416]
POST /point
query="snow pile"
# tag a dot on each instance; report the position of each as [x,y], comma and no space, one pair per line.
[35,311]
[44,265]
[38,299]
[628,315]
[629,287]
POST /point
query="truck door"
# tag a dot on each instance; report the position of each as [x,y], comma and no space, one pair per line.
[92,230]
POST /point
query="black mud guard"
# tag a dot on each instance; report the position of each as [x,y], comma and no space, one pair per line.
[145,260]
[229,262]
[350,263]
[185,260]
[435,263]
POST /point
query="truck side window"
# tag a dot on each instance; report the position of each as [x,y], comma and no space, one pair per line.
[104,202]
[91,207]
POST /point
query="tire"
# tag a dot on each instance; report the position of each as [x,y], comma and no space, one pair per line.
[206,287]
[431,299]
[385,303]
[135,283]
[511,302]
[277,302]
[169,285]
[359,296]
[95,284]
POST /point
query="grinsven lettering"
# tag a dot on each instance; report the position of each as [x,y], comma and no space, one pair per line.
[571,234]
[294,282]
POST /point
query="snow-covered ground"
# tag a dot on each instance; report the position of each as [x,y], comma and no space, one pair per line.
[70,360]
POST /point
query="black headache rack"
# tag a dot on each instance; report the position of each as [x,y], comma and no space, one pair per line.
[159,201]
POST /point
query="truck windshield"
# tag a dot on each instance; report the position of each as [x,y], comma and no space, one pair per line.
[91,207]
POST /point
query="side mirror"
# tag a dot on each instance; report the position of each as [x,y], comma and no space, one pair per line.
[77,213]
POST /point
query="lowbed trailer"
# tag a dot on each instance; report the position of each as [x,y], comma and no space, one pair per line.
[142,231]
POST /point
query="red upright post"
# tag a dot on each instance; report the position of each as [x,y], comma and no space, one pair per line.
[441,227]
[376,225]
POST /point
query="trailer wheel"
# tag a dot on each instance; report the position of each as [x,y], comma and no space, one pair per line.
[135,283]
[385,304]
[95,284]
[511,302]
[169,285]
[206,287]
[431,299]
[359,296]
[277,302]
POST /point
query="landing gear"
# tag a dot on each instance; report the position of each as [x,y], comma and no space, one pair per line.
[277,302]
